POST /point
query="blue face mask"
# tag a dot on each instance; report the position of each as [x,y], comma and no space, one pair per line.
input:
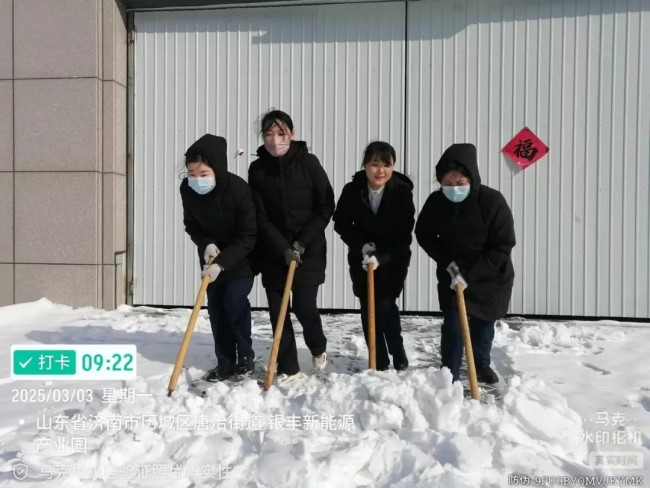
[456,194]
[201,185]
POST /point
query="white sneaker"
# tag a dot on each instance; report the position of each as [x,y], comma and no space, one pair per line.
[289,380]
[320,362]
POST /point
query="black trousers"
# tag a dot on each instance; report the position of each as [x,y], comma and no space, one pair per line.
[303,305]
[452,346]
[388,329]
[230,318]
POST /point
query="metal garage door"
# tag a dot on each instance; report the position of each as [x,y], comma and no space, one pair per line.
[337,69]
[421,75]
[576,73]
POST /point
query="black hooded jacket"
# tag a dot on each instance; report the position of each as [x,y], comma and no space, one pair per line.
[477,233]
[294,202]
[391,230]
[225,216]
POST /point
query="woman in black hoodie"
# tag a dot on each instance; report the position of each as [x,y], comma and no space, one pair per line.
[468,229]
[294,202]
[375,217]
[219,216]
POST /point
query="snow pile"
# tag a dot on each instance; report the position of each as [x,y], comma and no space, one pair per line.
[407,429]
[410,429]
[555,336]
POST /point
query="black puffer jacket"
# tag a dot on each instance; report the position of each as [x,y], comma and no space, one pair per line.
[225,216]
[295,202]
[391,230]
[478,234]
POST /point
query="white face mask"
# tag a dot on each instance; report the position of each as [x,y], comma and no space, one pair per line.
[201,184]
[456,194]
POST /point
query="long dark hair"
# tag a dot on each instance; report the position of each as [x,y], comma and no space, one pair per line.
[272,117]
[379,150]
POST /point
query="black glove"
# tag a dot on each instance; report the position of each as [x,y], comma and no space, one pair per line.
[292,255]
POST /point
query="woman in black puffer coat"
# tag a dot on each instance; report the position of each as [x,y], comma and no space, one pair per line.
[468,229]
[219,216]
[375,216]
[294,202]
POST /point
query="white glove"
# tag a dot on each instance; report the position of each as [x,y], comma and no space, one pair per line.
[211,251]
[368,248]
[369,259]
[212,271]
[456,276]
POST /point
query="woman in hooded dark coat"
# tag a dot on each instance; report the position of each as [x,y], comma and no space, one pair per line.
[375,216]
[219,216]
[468,229]
[294,202]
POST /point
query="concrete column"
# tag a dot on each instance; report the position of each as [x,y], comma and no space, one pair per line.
[62,151]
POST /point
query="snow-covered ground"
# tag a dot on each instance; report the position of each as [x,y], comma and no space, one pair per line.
[576,405]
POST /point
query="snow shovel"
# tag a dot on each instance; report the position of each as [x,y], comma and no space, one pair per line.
[284,306]
[469,353]
[180,358]
[372,338]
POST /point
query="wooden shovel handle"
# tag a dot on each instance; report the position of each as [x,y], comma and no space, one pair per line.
[180,357]
[469,353]
[372,335]
[279,326]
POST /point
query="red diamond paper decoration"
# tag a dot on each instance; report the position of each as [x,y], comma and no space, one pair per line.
[525,148]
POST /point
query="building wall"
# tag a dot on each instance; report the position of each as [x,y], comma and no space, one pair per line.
[577,73]
[63,151]
[572,71]
[442,71]
[337,69]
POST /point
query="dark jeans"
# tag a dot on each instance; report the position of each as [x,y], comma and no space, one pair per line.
[230,318]
[452,347]
[388,330]
[303,305]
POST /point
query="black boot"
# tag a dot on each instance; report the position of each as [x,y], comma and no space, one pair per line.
[400,361]
[485,374]
[382,367]
[220,373]
[246,365]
